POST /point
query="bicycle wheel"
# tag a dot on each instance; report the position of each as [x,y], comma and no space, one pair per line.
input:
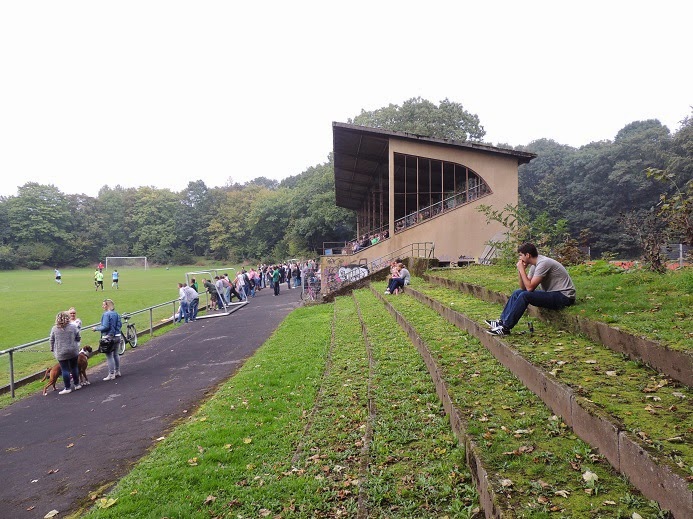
[132,336]
[121,345]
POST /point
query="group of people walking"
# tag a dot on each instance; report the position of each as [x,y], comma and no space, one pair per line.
[65,343]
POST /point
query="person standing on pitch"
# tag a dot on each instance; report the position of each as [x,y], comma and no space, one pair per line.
[114,277]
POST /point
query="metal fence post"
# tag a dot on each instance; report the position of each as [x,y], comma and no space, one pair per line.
[12,373]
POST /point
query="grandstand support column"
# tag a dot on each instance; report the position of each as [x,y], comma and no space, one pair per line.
[391,191]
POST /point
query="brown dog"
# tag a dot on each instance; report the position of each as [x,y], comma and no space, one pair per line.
[53,373]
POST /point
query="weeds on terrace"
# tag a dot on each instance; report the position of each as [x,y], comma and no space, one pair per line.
[417,468]
[331,449]
[285,438]
[537,466]
[644,303]
[654,408]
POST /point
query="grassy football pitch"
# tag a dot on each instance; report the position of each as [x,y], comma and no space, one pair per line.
[31,299]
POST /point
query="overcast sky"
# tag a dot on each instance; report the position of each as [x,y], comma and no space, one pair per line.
[161,93]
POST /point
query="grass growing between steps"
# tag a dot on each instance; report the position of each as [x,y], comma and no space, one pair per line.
[286,436]
[537,466]
[657,306]
[653,407]
[416,467]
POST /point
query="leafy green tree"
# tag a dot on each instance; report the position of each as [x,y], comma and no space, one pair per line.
[268,219]
[115,225]
[315,217]
[153,223]
[40,214]
[448,120]
[676,201]
[191,221]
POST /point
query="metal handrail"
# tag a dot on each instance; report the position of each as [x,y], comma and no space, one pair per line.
[416,250]
[449,203]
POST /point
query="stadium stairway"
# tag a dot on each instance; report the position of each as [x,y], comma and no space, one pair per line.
[637,420]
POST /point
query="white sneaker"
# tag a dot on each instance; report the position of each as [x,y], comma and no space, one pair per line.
[117,374]
[110,376]
[65,391]
[78,386]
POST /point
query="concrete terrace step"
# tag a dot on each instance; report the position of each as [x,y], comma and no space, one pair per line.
[647,459]
[675,364]
[526,462]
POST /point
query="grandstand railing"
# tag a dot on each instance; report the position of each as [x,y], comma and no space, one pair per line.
[10,352]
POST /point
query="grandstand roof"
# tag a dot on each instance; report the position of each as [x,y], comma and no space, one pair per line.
[361,153]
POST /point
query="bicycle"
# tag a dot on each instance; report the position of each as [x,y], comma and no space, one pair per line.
[311,291]
[129,337]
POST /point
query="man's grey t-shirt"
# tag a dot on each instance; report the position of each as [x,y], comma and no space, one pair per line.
[555,277]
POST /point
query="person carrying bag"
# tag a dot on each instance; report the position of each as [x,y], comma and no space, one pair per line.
[110,329]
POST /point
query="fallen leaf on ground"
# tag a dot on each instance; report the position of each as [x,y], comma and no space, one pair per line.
[589,476]
[210,499]
[506,483]
[50,514]
[106,502]
[562,493]
[70,445]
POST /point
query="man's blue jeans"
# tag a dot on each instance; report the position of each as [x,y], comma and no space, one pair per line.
[521,299]
[184,311]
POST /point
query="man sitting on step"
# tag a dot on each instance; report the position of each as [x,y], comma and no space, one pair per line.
[558,289]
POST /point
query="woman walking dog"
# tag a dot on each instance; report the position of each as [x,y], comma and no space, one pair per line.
[64,341]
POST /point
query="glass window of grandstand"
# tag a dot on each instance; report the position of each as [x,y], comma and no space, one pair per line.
[425,188]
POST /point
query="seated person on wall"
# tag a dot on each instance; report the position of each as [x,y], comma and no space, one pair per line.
[397,282]
[558,289]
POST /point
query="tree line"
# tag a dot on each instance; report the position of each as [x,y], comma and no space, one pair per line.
[262,219]
[588,192]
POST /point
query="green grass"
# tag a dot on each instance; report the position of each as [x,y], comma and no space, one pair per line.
[287,435]
[30,300]
[233,457]
[536,462]
[657,306]
[649,405]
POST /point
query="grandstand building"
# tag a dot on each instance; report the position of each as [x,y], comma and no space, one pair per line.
[412,189]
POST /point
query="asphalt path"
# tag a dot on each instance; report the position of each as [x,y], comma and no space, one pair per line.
[57,450]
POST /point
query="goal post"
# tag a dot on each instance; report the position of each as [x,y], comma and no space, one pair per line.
[126,261]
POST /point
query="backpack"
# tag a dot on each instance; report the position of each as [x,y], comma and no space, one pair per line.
[248,281]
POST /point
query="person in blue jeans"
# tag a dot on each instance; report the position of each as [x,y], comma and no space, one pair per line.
[557,291]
